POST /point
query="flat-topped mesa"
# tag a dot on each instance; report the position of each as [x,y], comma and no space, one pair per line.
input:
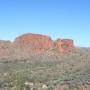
[33,43]
[64,45]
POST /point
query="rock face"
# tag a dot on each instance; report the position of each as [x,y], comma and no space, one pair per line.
[34,44]
[64,45]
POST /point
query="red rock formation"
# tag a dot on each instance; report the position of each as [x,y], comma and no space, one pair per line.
[64,45]
[33,43]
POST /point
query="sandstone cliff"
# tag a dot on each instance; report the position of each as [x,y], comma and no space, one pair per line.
[34,44]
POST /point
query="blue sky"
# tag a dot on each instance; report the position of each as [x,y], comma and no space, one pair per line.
[56,18]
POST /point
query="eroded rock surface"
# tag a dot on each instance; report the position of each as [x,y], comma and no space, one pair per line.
[64,45]
[34,44]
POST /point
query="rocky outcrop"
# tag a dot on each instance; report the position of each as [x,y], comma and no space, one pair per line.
[34,44]
[64,45]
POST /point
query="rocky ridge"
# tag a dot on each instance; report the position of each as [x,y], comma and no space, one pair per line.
[33,44]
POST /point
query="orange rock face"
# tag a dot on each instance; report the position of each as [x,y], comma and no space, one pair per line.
[30,44]
[33,43]
[64,45]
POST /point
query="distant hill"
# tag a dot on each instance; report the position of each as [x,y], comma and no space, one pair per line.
[34,44]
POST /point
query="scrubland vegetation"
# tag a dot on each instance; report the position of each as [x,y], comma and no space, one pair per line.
[47,72]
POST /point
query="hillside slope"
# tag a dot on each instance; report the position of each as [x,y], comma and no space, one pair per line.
[36,62]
